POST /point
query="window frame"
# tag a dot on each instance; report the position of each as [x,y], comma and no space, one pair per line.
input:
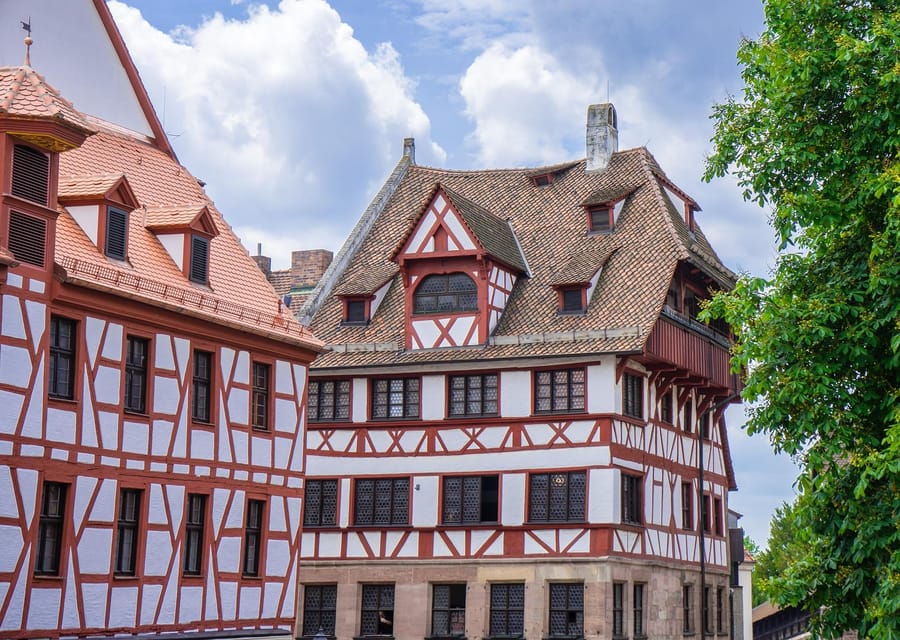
[130,404]
[633,395]
[707,613]
[484,494]
[22,231]
[254,533]
[467,388]
[687,505]
[567,306]
[618,609]
[632,499]
[310,630]
[18,165]
[508,610]
[638,609]
[687,417]
[666,414]
[198,382]
[705,513]
[315,507]
[314,410]
[51,529]
[458,306]
[600,218]
[366,516]
[688,626]
[456,615]
[195,261]
[193,563]
[554,479]
[411,410]
[568,610]
[352,302]
[381,621]
[261,396]
[552,385]
[65,354]
[718,524]
[108,250]
[705,426]
[128,528]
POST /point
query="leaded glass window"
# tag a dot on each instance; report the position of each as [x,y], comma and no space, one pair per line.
[381,501]
[507,610]
[377,612]
[567,609]
[395,398]
[329,400]
[446,293]
[474,395]
[633,395]
[559,390]
[319,607]
[556,497]
[469,499]
[320,504]
[448,610]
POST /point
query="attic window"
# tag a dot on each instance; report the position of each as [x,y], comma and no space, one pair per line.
[116,233]
[572,300]
[30,174]
[28,238]
[199,265]
[542,180]
[356,311]
[446,293]
[601,219]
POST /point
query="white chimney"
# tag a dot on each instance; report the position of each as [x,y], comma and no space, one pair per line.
[602,136]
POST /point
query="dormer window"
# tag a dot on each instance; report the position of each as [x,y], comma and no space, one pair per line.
[542,180]
[199,266]
[572,300]
[446,293]
[601,219]
[356,310]
[27,238]
[116,233]
[30,174]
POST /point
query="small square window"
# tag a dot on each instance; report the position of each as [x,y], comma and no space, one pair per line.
[328,400]
[377,611]
[320,503]
[559,390]
[381,502]
[355,312]
[557,497]
[566,610]
[469,499]
[572,300]
[601,219]
[474,395]
[395,398]
[507,614]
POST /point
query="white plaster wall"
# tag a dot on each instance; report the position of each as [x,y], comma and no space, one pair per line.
[87,217]
[601,387]
[512,499]
[359,401]
[434,398]
[602,495]
[173,243]
[515,394]
[12,324]
[425,501]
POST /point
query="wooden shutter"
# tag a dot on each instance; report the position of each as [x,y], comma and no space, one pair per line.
[199,268]
[116,233]
[28,238]
[31,170]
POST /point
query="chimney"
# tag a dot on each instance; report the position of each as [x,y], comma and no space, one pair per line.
[308,266]
[263,262]
[409,149]
[602,136]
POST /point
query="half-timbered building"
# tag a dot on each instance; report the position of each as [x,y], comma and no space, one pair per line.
[517,427]
[151,421]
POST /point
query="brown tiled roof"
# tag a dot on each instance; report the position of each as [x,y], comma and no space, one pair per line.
[549,222]
[281,281]
[582,266]
[238,292]
[367,283]
[25,94]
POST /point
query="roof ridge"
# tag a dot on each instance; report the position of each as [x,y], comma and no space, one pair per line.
[661,200]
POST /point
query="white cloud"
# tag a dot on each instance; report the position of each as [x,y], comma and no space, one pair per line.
[290,120]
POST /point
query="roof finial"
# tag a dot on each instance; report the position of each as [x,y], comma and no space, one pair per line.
[28,41]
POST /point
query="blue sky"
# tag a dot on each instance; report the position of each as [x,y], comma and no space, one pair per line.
[294,112]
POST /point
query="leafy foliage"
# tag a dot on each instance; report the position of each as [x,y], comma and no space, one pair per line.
[816,137]
[772,563]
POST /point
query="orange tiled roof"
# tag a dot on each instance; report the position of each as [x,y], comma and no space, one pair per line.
[96,186]
[238,292]
[639,260]
[25,94]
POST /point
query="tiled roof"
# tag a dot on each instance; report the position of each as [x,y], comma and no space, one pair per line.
[95,186]
[238,293]
[582,266]
[367,283]
[25,94]
[649,240]
[178,215]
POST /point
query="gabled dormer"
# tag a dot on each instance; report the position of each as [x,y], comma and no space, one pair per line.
[458,263]
[36,125]
[576,282]
[603,208]
[185,231]
[102,206]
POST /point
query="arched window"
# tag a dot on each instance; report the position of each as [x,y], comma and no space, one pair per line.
[446,293]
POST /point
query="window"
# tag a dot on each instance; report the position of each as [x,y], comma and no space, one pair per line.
[202,396]
[199,265]
[395,398]
[633,395]
[384,501]
[137,351]
[704,513]
[260,401]
[319,607]
[127,531]
[559,390]
[665,407]
[542,180]
[637,604]
[507,609]
[116,233]
[469,499]
[355,312]
[707,611]
[687,506]
[329,400]
[618,610]
[704,425]
[446,293]
[571,300]
[474,395]
[601,219]
[720,610]
[567,609]
[631,499]
[556,497]
[253,528]
[194,538]
[717,517]
[448,610]
[688,420]
[687,608]
[28,238]
[62,358]
[377,614]
[320,503]
[30,174]
[50,529]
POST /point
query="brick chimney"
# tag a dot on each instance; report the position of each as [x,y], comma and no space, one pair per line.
[308,266]
[602,135]
[263,262]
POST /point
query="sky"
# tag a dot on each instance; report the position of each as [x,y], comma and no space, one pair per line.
[294,113]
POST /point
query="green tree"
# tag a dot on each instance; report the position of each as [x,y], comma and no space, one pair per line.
[816,137]
[772,563]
